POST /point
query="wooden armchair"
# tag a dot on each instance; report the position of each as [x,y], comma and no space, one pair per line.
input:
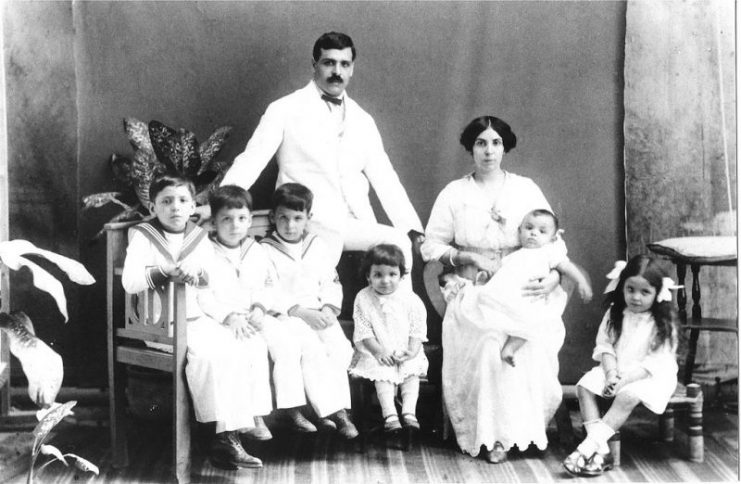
[154,316]
[128,329]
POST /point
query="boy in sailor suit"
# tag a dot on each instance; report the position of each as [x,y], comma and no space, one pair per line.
[220,367]
[242,283]
[310,291]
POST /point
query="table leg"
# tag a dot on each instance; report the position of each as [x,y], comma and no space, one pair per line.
[681,293]
[696,319]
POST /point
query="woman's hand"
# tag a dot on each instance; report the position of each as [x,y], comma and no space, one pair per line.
[541,287]
[484,263]
[328,316]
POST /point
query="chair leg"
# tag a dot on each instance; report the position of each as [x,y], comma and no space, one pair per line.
[117,413]
[666,425]
[357,399]
[181,430]
[694,432]
[614,444]
[447,427]
[563,425]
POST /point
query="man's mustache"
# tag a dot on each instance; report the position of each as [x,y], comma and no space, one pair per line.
[334,79]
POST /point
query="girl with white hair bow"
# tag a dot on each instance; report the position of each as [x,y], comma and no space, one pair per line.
[636,347]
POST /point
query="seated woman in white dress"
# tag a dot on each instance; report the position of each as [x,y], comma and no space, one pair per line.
[473,223]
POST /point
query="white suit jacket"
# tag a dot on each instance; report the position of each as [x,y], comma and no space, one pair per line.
[299,128]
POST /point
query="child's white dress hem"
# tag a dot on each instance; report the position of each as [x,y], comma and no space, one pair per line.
[391,320]
[633,350]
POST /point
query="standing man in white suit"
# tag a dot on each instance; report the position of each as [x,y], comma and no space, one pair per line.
[324,140]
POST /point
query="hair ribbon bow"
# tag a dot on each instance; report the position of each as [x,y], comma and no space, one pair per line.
[667,285]
[614,276]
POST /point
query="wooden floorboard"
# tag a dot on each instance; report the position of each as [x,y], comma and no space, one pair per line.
[290,458]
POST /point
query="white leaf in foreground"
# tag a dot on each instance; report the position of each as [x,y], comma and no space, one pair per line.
[84,464]
[53,451]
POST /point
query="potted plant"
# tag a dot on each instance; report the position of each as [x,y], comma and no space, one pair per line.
[42,366]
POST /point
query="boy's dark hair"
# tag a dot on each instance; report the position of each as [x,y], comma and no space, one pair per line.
[383,254]
[293,196]
[333,40]
[541,212]
[164,181]
[229,196]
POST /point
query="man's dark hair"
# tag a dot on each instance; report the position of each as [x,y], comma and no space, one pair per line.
[332,40]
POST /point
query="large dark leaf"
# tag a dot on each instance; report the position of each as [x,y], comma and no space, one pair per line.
[121,168]
[138,134]
[190,159]
[144,169]
[211,147]
[178,150]
[165,144]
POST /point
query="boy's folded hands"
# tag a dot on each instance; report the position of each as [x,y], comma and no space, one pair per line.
[256,317]
[187,272]
[240,325]
[317,319]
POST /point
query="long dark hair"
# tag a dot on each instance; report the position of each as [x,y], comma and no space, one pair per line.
[662,312]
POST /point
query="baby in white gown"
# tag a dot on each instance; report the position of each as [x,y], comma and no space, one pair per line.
[501,299]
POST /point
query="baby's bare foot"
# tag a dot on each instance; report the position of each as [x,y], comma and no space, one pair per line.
[509,349]
[508,355]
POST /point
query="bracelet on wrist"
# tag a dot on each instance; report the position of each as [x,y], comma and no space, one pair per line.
[451,254]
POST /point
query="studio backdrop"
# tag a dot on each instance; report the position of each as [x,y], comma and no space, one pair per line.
[552,70]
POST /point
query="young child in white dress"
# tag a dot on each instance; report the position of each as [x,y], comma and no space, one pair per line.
[501,300]
[390,327]
[636,347]
[220,368]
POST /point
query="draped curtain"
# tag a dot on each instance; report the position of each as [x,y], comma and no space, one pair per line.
[680,151]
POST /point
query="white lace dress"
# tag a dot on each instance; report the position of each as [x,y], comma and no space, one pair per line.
[390,319]
[486,399]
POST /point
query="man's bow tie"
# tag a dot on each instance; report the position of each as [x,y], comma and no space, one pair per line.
[334,100]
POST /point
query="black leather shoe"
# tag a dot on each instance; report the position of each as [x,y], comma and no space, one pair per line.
[344,426]
[227,453]
[326,425]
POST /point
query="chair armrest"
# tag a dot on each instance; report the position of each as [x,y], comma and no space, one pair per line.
[430,274]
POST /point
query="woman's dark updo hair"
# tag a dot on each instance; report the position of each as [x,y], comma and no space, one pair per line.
[480,124]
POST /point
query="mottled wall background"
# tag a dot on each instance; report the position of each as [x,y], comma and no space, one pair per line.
[42,122]
[680,142]
[553,70]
